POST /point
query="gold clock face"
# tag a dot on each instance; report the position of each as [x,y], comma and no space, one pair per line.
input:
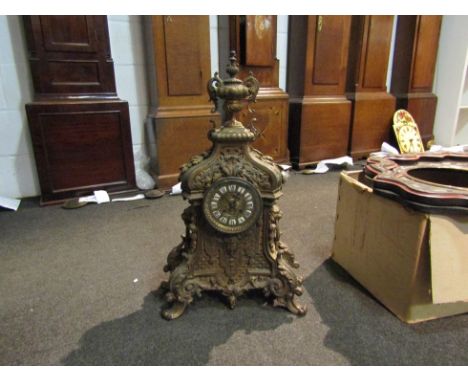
[409,139]
[407,132]
[232,205]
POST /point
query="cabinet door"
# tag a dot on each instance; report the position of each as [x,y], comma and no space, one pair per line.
[260,40]
[425,53]
[376,40]
[181,49]
[254,40]
[327,54]
[182,56]
[69,34]
[70,55]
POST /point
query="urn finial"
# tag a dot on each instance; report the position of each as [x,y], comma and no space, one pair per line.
[232,68]
[233,91]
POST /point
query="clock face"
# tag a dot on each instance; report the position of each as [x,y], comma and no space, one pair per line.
[409,139]
[232,205]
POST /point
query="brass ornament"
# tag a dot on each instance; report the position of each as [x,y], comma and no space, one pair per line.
[232,238]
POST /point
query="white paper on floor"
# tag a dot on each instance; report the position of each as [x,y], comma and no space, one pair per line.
[324,165]
[9,203]
[176,189]
[100,196]
[451,149]
[128,198]
[385,150]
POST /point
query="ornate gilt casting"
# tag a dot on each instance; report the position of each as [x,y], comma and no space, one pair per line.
[232,238]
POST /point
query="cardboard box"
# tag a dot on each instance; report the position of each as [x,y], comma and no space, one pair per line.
[416,264]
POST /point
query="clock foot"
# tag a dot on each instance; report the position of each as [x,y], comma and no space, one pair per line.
[232,300]
[175,311]
[291,304]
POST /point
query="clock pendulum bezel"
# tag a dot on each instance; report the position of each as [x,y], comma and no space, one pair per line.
[232,240]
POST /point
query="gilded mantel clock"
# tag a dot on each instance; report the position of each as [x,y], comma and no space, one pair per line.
[232,239]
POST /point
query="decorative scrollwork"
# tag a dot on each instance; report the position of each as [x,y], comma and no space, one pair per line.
[232,163]
[212,87]
[253,85]
[193,161]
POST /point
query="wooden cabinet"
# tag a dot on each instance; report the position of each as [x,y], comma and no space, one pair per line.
[254,40]
[80,129]
[415,55]
[319,113]
[180,51]
[373,107]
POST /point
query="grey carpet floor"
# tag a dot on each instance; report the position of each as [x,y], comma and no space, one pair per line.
[78,287]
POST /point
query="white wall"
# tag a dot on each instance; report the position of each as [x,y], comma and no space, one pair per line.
[451,121]
[126,35]
[282,47]
[18,177]
[214,44]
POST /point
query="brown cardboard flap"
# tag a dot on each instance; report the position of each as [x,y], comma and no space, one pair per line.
[449,258]
[390,250]
[378,241]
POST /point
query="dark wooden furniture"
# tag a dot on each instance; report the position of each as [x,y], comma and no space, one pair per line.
[319,113]
[80,129]
[428,182]
[254,40]
[416,44]
[180,50]
[373,107]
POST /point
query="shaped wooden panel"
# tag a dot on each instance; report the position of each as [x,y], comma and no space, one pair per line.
[80,147]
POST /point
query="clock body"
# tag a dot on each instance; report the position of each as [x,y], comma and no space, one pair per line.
[232,239]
